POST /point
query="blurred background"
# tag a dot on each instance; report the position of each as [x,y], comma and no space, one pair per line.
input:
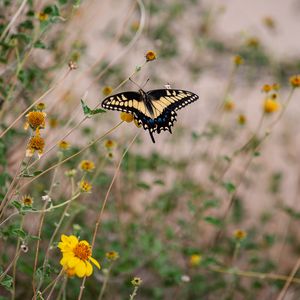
[219,194]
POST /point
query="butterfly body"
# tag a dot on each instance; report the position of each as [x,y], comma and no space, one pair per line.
[155,110]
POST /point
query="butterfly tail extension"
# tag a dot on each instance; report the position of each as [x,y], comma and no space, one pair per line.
[152,137]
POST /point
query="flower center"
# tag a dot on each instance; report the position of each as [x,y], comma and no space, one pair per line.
[36,143]
[82,251]
[36,119]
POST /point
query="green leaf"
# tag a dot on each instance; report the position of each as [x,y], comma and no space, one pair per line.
[7,282]
[213,221]
[143,185]
[90,112]
[39,44]
[229,186]
[16,204]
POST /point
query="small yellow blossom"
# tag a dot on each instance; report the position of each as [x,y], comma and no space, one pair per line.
[252,42]
[238,60]
[195,260]
[109,144]
[40,106]
[295,81]
[42,16]
[135,25]
[150,55]
[276,86]
[126,117]
[77,256]
[242,119]
[63,145]
[85,186]
[107,90]
[87,165]
[240,234]
[269,22]
[266,88]
[53,122]
[271,105]
[110,155]
[27,200]
[112,255]
[36,143]
[136,281]
[35,119]
[229,105]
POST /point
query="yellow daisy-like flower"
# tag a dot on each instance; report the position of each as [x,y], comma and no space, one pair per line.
[240,234]
[126,117]
[238,60]
[271,105]
[112,255]
[252,42]
[242,119]
[42,16]
[53,122]
[77,256]
[27,200]
[107,90]
[229,105]
[85,186]
[35,119]
[269,22]
[63,145]
[195,260]
[150,55]
[295,81]
[136,281]
[87,165]
[36,143]
[109,144]
[266,88]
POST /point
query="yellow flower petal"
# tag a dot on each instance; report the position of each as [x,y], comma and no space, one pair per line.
[72,262]
[95,262]
[80,269]
[89,269]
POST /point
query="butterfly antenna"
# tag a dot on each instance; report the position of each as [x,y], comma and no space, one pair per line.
[140,88]
[146,82]
[152,137]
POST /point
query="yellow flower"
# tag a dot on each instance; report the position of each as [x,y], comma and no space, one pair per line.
[252,42]
[85,186]
[36,143]
[109,144]
[269,22]
[112,255]
[295,81]
[35,119]
[27,200]
[53,122]
[238,60]
[126,117]
[136,281]
[195,260]
[242,119]
[107,90]
[266,88]
[271,105]
[77,256]
[87,165]
[42,16]
[63,145]
[150,55]
[240,234]
[229,105]
[40,106]
[135,25]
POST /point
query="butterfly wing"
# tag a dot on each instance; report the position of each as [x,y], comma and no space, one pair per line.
[164,103]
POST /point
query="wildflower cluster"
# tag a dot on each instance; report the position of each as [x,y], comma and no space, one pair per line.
[36,120]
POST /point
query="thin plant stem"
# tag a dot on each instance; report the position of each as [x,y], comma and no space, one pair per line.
[134,293]
[54,284]
[11,264]
[289,281]
[104,285]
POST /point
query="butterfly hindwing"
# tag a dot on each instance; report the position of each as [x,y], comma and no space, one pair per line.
[163,105]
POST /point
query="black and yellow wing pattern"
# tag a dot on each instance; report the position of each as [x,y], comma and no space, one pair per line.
[155,110]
